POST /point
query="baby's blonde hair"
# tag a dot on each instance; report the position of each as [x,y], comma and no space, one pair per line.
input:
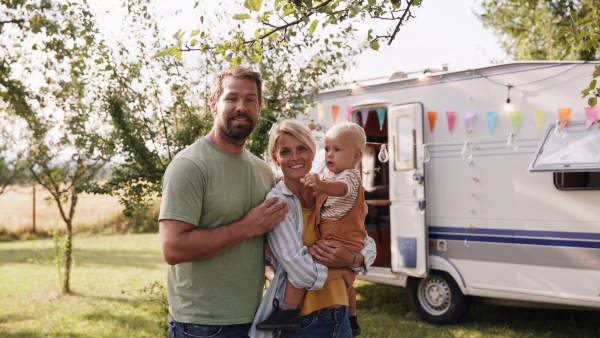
[295,129]
[356,133]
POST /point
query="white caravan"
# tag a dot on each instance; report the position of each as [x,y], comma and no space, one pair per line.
[479,201]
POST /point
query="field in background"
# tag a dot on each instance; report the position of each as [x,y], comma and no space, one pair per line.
[16,210]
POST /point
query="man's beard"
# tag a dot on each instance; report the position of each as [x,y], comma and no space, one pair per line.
[240,132]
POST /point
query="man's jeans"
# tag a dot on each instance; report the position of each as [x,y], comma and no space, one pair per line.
[184,330]
[323,323]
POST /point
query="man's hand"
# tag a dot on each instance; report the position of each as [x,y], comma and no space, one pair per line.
[183,242]
[265,216]
[332,254]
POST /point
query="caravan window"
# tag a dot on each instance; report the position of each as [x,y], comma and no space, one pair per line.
[404,142]
[577,150]
[577,181]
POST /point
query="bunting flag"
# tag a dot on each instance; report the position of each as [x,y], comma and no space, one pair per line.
[492,118]
[451,117]
[364,113]
[431,116]
[334,113]
[540,118]
[565,116]
[515,117]
[381,117]
[591,114]
[349,113]
[320,112]
[469,116]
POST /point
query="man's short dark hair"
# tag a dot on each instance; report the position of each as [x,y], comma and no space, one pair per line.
[237,71]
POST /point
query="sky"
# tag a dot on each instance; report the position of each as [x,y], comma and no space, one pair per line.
[442,32]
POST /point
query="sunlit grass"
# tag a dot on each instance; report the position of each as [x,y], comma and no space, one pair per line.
[108,275]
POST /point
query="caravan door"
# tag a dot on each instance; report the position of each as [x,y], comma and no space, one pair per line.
[407,190]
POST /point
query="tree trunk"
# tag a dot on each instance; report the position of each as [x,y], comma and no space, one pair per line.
[33,215]
[68,256]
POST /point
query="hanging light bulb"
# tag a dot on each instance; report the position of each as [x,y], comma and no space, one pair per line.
[512,142]
[424,154]
[466,152]
[559,130]
[383,154]
[508,106]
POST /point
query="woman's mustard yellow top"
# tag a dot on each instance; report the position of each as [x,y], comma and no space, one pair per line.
[334,292]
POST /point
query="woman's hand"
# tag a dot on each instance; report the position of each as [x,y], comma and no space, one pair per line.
[333,254]
[349,277]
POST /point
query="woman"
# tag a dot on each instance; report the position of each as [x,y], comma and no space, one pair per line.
[324,311]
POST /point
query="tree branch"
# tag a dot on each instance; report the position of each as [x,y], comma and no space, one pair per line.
[17,21]
[406,11]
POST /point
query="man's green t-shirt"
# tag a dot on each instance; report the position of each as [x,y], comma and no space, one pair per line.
[209,187]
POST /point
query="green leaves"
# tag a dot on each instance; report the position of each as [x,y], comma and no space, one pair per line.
[547,30]
[592,101]
[245,16]
[253,5]
[171,50]
[374,45]
[312,27]
[592,89]
[283,20]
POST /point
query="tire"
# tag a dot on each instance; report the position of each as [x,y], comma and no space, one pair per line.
[438,299]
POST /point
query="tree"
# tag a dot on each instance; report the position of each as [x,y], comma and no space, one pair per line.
[305,17]
[50,82]
[160,105]
[547,30]
[11,168]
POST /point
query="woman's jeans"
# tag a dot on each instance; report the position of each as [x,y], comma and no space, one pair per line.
[184,330]
[323,323]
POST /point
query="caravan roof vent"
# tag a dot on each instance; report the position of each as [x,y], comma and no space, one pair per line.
[398,75]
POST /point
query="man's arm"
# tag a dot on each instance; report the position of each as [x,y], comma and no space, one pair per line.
[182,242]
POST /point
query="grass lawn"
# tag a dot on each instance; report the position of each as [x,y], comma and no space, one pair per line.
[111,271]
[108,276]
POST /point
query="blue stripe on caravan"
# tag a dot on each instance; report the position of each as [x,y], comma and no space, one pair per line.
[518,240]
[516,233]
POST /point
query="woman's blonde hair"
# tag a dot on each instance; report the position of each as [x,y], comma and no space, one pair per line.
[356,133]
[292,128]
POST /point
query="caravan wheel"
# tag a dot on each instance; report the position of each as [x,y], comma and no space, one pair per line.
[438,298]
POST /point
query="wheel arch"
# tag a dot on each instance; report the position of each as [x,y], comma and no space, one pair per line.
[442,264]
[438,298]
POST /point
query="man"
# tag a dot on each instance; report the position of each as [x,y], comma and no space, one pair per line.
[213,217]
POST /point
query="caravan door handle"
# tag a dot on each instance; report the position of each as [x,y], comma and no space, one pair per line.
[421,204]
[418,177]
